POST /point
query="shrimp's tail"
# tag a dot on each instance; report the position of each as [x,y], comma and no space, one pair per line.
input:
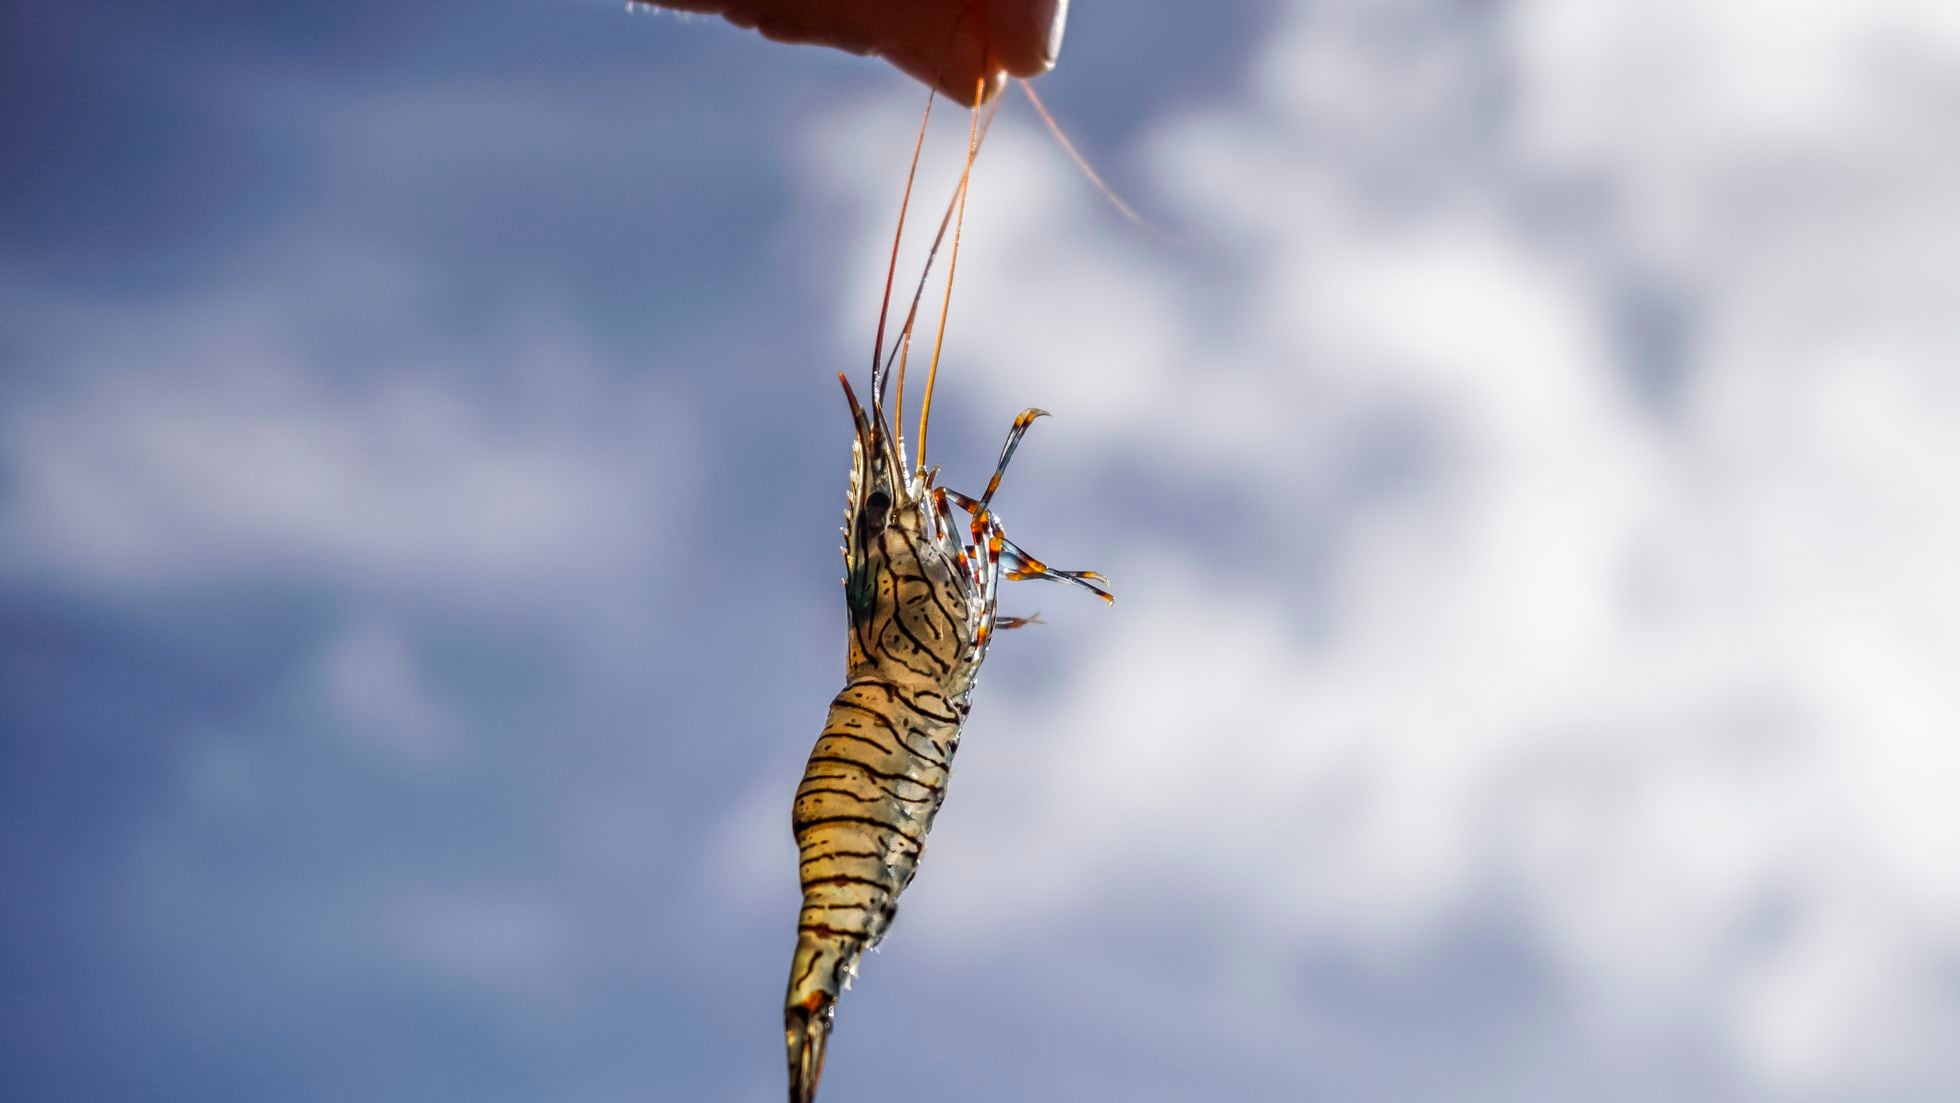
[818,971]
[807,1033]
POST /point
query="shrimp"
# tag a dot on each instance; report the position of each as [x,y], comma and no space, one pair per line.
[922,610]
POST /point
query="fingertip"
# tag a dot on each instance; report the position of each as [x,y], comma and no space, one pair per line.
[1025,36]
[957,86]
[953,63]
[995,82]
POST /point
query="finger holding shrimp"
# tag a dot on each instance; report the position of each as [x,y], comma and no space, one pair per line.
[952,45]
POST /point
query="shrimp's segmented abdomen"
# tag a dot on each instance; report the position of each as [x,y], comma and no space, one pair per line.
[869,794]
[874,782]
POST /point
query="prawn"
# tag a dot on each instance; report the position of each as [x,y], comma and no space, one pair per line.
[922,611]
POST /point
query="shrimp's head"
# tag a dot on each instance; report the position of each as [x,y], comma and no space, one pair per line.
[879,483]
[883,493]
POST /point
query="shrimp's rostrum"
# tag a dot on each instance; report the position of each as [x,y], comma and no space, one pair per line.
[921,598]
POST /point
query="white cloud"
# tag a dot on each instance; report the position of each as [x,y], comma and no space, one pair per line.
[221,446]
[370,678]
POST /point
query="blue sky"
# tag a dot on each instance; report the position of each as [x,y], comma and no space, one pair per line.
[1521,463]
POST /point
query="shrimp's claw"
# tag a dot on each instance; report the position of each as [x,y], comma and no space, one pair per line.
[806,1029]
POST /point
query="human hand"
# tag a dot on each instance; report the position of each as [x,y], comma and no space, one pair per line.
[952,45]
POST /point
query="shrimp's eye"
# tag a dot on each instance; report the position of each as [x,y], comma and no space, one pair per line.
[876,514]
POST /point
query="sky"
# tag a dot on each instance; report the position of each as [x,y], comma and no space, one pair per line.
[1520,443]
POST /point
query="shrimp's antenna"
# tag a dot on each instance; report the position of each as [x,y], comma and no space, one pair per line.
[898,413]
[1082,163]
[932,254]
[891,267]
[952,267]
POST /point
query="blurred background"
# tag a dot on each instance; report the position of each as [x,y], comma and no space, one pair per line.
[1525,462]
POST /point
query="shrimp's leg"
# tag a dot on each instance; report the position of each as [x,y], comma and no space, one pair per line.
[1023,566]
[1020,565]
[1007,623]
[1014,435]
[945,514]
[984,529]
[973,506]
[987,553]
